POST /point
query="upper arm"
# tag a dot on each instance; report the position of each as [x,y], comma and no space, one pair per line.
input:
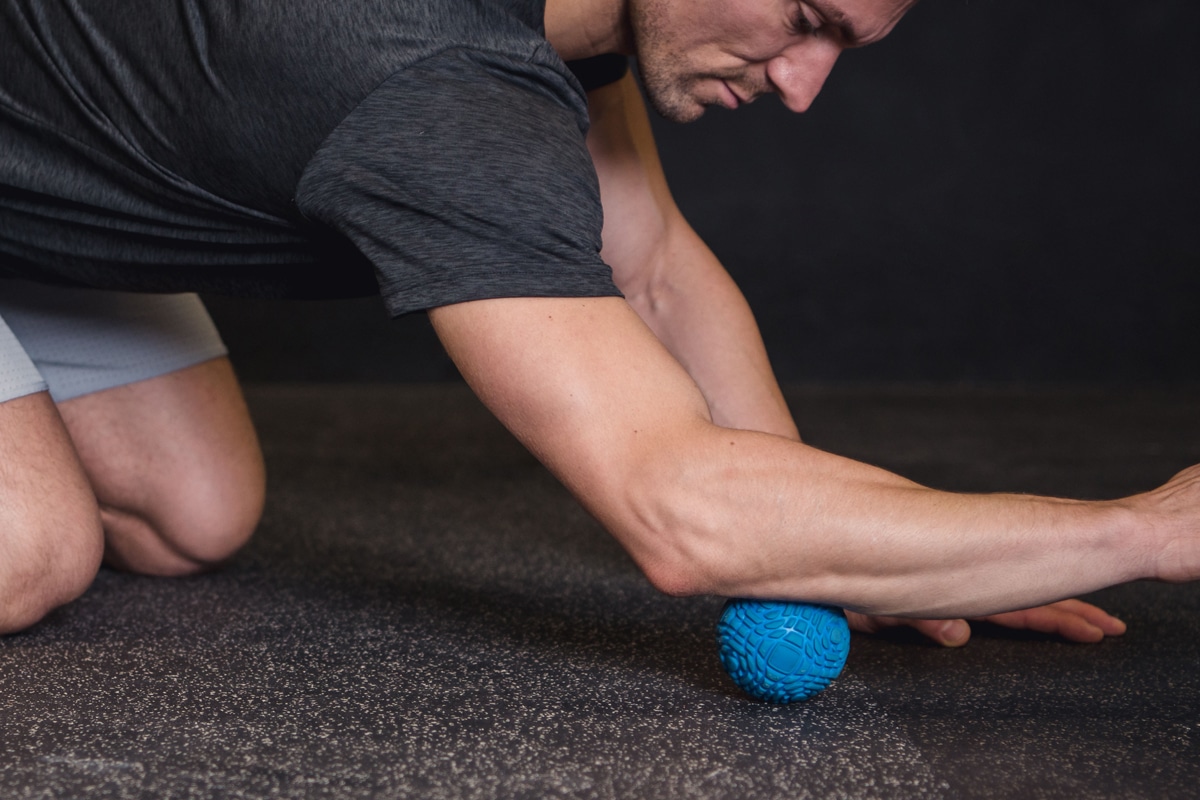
[586,386]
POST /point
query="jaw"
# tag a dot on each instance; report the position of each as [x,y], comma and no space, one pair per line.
[671,98]
[683,96]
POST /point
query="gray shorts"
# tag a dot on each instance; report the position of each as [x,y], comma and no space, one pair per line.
[73,342]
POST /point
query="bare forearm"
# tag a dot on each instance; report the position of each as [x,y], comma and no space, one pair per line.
[737,513]
[700,315]
[707,509]
[754,515]
[671,278]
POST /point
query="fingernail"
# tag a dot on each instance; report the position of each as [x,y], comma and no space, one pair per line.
[954,632]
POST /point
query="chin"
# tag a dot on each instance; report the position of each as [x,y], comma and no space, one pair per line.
[690,113]
[674,105]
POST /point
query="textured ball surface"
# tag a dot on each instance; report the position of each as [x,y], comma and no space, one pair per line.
[782,652]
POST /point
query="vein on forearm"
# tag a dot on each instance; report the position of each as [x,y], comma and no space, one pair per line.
[836,531]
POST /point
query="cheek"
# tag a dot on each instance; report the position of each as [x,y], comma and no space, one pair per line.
[700,26]
[754,20]
[713,34]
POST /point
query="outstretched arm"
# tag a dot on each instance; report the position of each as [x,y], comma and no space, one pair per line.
[682,292]
[591,391]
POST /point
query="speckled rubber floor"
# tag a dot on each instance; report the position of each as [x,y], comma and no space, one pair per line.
[425,613]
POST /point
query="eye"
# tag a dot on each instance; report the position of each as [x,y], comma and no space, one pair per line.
[800,22]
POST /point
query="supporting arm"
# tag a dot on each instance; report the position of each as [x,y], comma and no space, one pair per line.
[669,275]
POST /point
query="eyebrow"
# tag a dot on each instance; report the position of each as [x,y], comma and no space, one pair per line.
[837,18]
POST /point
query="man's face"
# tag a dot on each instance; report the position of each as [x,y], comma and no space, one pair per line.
[697,53]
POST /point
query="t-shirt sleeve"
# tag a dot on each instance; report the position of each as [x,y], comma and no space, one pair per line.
[464,177]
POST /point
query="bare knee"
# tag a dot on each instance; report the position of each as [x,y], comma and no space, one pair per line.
[50,536]
[176,466]
[48,562]
[194,523]
[211,521]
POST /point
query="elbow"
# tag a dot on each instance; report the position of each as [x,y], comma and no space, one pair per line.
[696,523]
[689,559]
[680,578]
[680,548]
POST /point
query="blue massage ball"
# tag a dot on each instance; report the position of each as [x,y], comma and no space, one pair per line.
[782,652]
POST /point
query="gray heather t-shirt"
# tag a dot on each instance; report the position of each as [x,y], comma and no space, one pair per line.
[432,150]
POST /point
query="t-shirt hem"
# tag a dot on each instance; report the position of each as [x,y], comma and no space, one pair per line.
[492,282]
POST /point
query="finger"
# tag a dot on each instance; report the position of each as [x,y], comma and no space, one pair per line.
[1112,626]
[864,624]
[1072,619]
[946,632]
[1050,620]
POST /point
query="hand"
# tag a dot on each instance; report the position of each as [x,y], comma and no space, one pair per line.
[1073,620]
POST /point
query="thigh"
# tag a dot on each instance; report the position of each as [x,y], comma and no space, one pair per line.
[175,464]
[50,532]
[156,417]
[83,341]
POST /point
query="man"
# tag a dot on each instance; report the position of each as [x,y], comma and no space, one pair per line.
[439,152]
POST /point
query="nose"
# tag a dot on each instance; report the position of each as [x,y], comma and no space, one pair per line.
[799,72]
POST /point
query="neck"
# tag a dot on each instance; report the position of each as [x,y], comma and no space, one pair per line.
[585,28]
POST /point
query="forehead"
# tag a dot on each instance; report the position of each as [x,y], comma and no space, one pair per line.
[862,22]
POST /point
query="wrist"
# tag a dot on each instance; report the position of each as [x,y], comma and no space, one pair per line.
[1144,546]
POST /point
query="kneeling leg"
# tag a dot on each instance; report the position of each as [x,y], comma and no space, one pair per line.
[50,530]
[175,465]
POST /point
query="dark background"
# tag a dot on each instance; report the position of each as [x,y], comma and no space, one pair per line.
[999,192]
